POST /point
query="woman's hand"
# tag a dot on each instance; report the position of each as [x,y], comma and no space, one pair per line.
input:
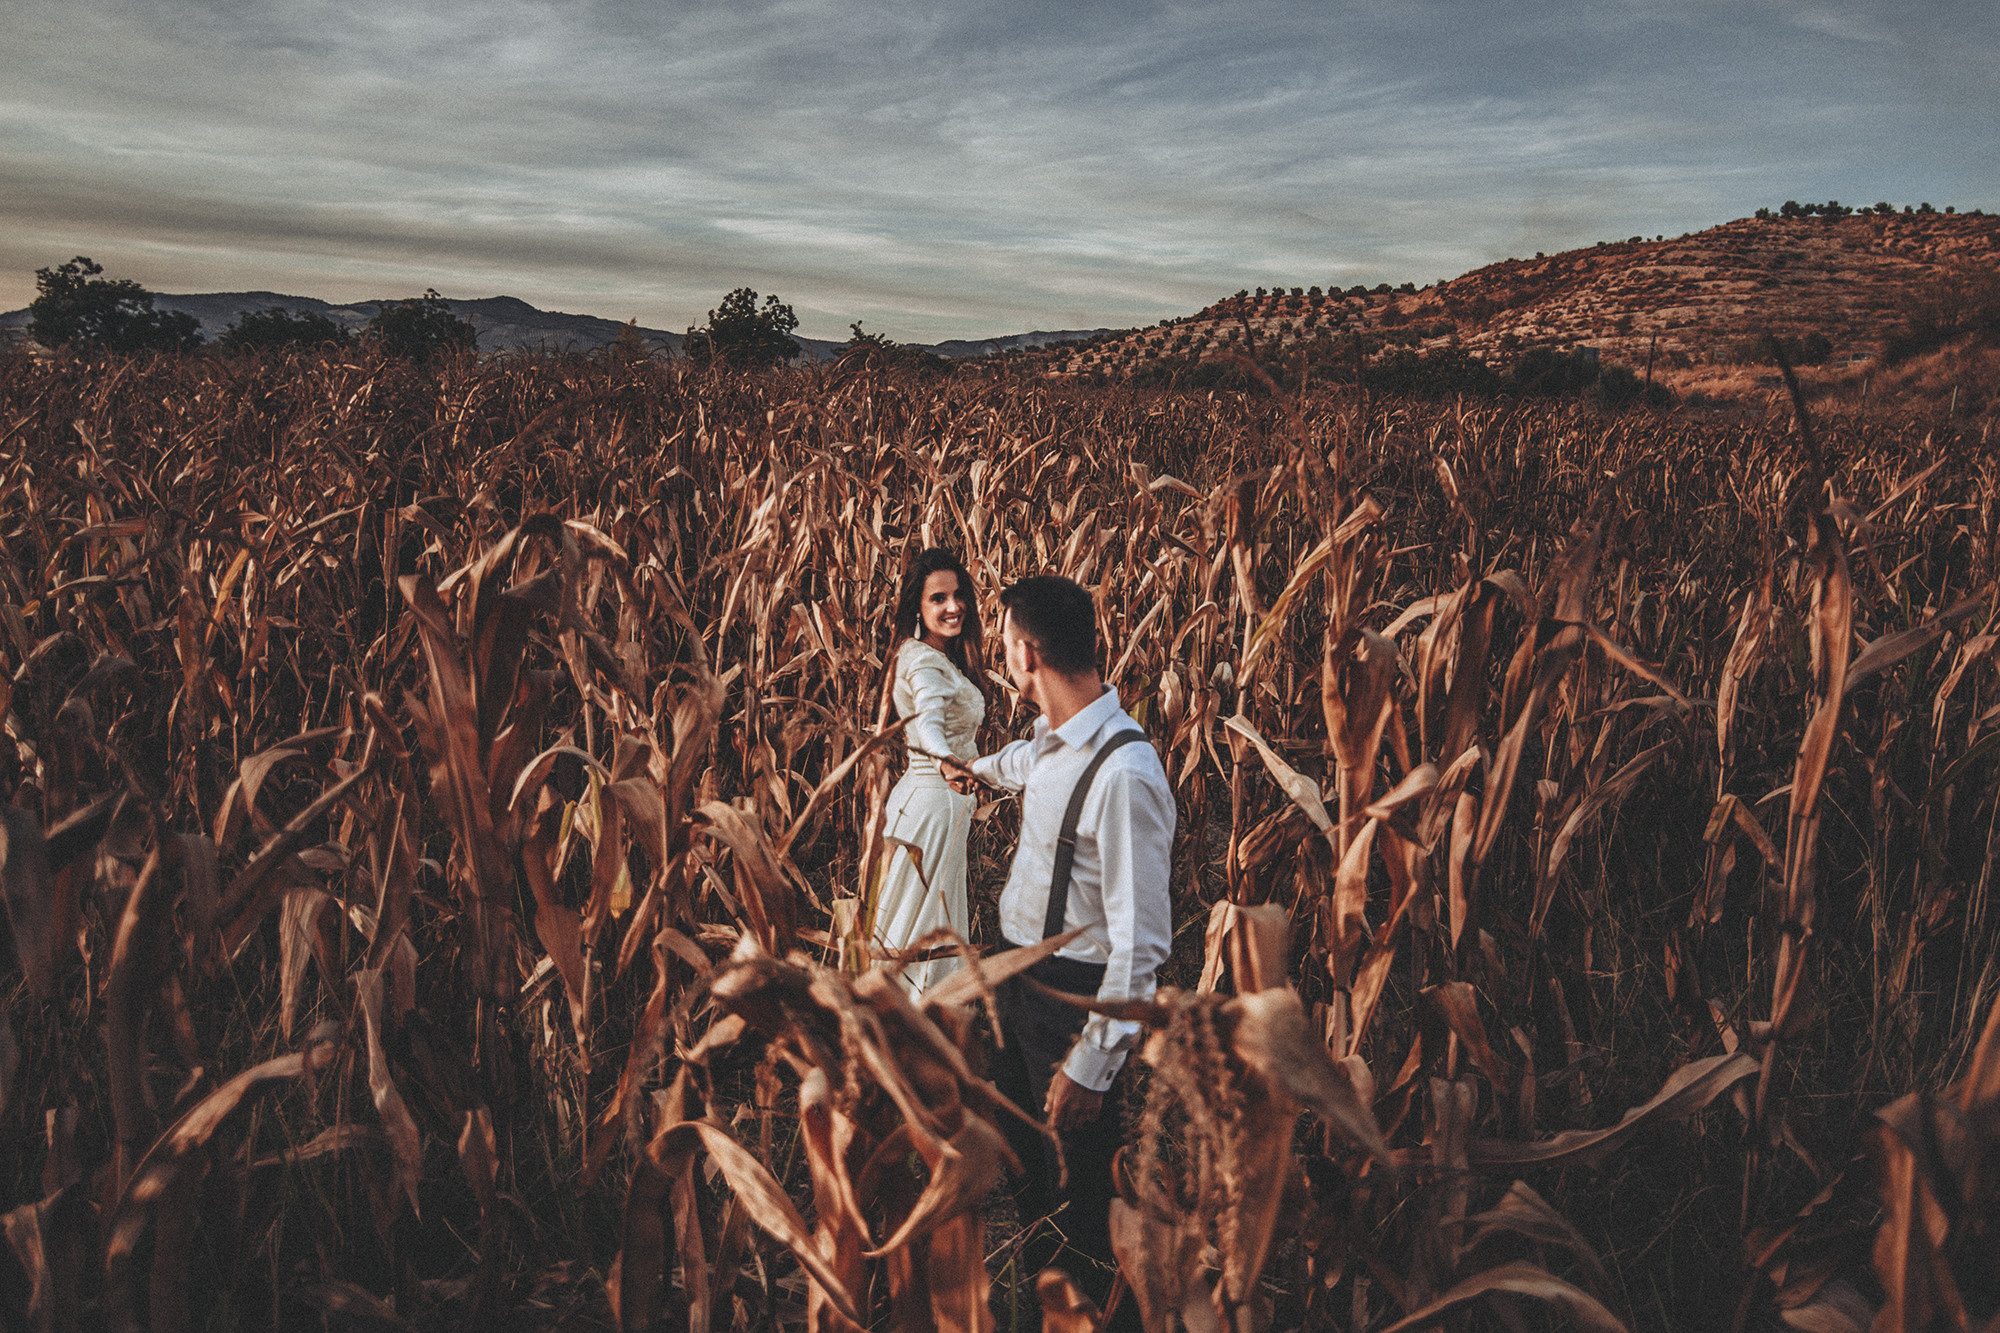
[959,776]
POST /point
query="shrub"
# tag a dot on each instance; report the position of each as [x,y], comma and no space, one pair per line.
[1442,372]
[1619,387]
[1960,299]
[879,352]
[279,327]
[1544,370]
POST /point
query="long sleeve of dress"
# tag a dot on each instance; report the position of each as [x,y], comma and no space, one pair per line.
[933,690]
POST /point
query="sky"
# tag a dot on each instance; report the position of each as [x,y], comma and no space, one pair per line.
[947,169]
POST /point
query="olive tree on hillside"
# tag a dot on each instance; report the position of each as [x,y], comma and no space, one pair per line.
[74,307]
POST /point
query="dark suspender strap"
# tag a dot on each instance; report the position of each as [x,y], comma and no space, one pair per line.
[1052,924]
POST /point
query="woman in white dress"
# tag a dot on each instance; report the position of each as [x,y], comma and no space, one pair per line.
[935,682]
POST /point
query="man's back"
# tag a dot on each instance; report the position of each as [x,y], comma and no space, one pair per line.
[1119,875]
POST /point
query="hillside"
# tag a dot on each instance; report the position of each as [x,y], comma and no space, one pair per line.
[505,323]
[508,324]
[1690,305]
[1689,300]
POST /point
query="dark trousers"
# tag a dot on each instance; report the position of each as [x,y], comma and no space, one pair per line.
[1038,1033]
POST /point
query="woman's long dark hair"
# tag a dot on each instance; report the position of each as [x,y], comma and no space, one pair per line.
[965,650]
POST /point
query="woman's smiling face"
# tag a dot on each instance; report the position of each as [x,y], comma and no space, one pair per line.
[943,609]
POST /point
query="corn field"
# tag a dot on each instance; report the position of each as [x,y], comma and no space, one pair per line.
[438,808]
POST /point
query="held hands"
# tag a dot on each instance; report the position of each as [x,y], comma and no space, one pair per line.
[959,777]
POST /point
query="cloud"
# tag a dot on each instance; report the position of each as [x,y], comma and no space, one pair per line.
[938,169]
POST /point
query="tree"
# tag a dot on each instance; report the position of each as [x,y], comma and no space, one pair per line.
[279,327]
[77,308]
[420,328]
[743,337]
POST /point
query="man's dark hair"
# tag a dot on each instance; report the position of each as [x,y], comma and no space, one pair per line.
[1060,619]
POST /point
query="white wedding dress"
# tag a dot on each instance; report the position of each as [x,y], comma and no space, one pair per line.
[925,890]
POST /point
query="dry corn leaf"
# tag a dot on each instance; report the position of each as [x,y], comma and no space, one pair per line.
[1273,1037]
[304,925]
[405,1148]
[1691,1087]
[1457,1003]
[253,891]
[1517,1279]
[163,1177]
[558,925]
[55,1243]
[478,1157]
[1837,1308]
[1885,652]
[355,1305]
[768,1205]
[28,887]
[761,884]
[964,1171]
[1523,1212]
[1294,783]
[1614,788]
[141,958]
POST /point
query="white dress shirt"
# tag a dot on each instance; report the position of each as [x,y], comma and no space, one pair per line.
[1118,881]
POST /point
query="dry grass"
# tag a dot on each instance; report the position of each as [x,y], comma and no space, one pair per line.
[436,801]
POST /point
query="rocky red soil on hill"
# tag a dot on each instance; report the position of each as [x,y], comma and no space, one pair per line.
[1700,298]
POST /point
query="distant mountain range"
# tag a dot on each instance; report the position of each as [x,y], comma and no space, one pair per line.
[507,324]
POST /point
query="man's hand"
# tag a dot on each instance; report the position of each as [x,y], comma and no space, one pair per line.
[1070,1104]
[959,777]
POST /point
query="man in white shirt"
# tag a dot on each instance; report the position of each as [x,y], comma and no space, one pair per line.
[1056,1057]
